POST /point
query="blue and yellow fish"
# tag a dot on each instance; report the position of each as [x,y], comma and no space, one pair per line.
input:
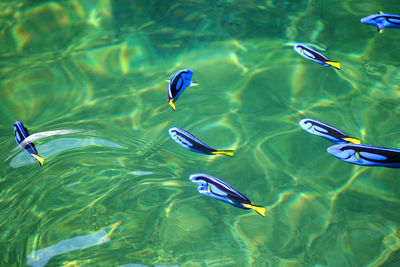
[21,133]
[382,21]
[366,155]
[324,130]
[315,56]
[188,140]
[178,83]
[215,188]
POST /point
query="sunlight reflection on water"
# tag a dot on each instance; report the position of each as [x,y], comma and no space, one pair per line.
[56,146]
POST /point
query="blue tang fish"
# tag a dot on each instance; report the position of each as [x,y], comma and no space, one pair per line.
[324,130]
[366,155]
[178,84]
[20,133]
[382,21]
[188,140]
[214,187]
[315,56]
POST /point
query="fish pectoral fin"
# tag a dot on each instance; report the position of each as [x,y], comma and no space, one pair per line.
[192,83]
[39,159]
[171,102]
[333,64]
[380,27]
[258,209]
[352,140]
[223,152]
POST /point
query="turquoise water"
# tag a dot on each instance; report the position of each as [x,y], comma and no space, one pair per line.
[114,188]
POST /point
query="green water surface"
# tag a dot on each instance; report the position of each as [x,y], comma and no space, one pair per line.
[115,190]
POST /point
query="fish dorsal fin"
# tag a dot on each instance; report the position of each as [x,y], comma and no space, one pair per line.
[380,27]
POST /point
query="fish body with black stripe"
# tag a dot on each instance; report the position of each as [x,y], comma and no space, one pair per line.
[177,84]
[382,21]
[218,189]
[187,140]
[314,55]
[329,132]
[366,155]
[20,134]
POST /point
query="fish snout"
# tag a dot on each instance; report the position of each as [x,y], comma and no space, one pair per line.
[369,20]
[172,131]
[202,185]
[193,177]
[305,125]
[197,178]
[298,49]
[337,151]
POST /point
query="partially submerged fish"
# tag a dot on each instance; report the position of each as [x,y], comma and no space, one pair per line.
[215,188]
[382,21]
[178,83]
[324,130]
[366,155]
[188,140]
[20,133]
[315,56]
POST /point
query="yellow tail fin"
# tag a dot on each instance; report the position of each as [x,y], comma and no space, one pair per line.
[258,209]
[192,83]
[352,140]
[171,102]
[39,159]
[224,152]
[333,64]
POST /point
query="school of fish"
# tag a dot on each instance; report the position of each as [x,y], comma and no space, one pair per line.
[346,148]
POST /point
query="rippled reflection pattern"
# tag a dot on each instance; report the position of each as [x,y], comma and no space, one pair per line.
[114,188]
[42,256]
[57,146]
